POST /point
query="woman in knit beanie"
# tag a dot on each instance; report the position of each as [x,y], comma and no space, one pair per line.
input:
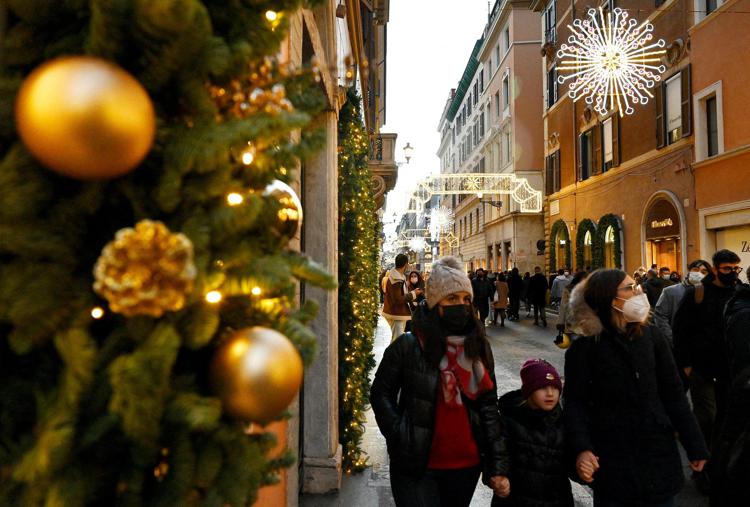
[532,424]
[434,398]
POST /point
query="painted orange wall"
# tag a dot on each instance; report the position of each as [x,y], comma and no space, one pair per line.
[275,495]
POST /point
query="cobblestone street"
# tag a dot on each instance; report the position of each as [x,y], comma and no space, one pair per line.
[511,346]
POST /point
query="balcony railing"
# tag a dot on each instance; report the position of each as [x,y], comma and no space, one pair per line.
[383,149]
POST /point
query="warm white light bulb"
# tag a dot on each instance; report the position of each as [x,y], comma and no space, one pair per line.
[248,156]
[214,297]
[234,199]
[97,312]
[256,291]
[272,15]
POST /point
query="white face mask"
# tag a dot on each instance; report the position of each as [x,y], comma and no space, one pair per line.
[635,309]
[666,277]
[695,277]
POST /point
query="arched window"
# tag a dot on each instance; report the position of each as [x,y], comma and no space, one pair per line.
[609,248]
[587,245]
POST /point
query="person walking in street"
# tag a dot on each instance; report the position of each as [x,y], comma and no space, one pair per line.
[396,309]
[500,302]
[525,294]
[670,298]
[558,285]
[623,400]
[732,456]
[515,291]
[482,293]
[532,424]
[563,315]
[415,282]
[435,400]
[699,347]
[653,286]
[538,296]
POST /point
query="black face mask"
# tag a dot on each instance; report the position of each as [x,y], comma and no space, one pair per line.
[456,318]
[728,279]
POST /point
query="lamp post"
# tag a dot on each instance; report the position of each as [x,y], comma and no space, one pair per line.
[408,150]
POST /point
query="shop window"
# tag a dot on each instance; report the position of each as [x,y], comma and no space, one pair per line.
[587,249]
[673,108]
[609,248]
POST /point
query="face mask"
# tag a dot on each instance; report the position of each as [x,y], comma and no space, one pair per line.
[566,274]
[695,277]
[635,309]
[414,281]
[455,318]
[666,277]
[727,279]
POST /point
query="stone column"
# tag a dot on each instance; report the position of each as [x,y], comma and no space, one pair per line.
[321,451]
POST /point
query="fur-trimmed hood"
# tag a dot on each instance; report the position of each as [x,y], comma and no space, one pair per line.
[581,318]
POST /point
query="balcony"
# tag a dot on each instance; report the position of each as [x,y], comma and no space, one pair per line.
[383,164]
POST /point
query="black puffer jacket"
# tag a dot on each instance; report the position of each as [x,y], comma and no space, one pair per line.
[403,397]
[732,470]
[539,465]
[624,401]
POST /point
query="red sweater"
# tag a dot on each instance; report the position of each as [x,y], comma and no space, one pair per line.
[453,445]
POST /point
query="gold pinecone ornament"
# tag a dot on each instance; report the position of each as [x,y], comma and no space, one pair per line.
[146,270]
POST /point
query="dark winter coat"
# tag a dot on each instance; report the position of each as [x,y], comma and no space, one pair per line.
[538,289]
[653,287]
[403,397]
[698,331]
[624,401]
[732,470]
[539,463]
[483,290]
[515,287]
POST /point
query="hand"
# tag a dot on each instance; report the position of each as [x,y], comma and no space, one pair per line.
[698,465]
[419,291]
[586,465]
[688,370]
[500,485]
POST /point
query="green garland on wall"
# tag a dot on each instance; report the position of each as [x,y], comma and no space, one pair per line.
[586,225]
[598,247]
[359,230]
[557,228]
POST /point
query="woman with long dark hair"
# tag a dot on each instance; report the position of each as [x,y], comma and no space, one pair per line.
[435,400]
[623,397]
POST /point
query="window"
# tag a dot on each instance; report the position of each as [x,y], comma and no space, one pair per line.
[497,56]
[477,220]
[481,81]
[506,91]
[587,249]
[607,138]
[551,86]
[506,142]
[709,128]
[712,129]
[481,165]
[506,39]
[552,170]
[476,92]
[673,108]
[550,20]
[497,104]
[710,6]
[481,125]
[586,161]
[609,248]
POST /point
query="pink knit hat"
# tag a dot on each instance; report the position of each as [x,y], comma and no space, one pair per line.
[536,374]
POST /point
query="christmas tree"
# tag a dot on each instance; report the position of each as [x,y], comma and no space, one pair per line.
[144,224]
[359,229]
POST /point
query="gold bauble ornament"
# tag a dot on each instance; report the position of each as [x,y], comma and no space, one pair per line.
[146,270]
[256,373]
[563,340]
[288,218]
[85,118]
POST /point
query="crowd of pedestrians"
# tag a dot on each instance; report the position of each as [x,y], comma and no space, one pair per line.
[652,361]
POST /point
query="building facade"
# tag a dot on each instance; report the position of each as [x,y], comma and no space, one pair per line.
[621,190]
[491,124]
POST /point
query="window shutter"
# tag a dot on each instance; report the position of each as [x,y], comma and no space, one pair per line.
[615,140]
[579,169]
[548,173]
[687,99]
[660,128]
[556,160]
[597,164]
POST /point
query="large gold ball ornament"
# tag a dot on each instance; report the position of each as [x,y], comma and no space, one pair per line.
[145,270]
[85,118]
[256,373]
[288,217]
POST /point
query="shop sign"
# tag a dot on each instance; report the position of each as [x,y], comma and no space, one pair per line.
[662,220]
[554,207]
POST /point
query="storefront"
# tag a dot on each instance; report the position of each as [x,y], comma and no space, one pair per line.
[663,234]
[726,226]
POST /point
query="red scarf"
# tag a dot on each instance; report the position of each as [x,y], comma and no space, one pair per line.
[460,375]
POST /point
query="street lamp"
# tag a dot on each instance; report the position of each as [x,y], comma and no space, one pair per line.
[408,150]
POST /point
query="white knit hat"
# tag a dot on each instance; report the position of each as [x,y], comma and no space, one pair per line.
[447,276]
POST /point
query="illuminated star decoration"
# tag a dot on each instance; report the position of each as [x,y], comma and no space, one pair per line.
[417,244]
[441,220]
[612,61]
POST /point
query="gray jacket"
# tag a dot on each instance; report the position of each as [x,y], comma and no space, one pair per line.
[666,308]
